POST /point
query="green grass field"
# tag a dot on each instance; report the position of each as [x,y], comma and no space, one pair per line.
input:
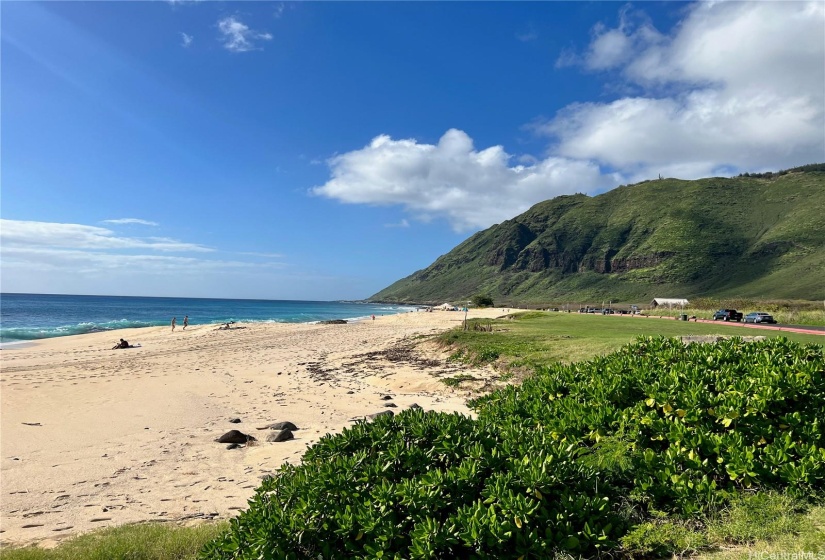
[539,337]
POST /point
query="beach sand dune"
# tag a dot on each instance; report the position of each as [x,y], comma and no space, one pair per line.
[93,437]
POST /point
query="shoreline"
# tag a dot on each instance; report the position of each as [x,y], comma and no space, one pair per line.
[93,437]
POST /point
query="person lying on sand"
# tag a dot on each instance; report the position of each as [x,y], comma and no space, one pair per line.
[122,344]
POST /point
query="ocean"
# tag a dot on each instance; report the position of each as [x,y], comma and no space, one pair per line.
[35,316]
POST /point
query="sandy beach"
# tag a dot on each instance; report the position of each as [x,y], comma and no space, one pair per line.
[92,437]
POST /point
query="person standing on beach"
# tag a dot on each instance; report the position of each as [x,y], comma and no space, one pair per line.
[185,322]
[174,322]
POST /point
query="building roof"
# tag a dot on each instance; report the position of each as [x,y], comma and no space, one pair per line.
[669,301]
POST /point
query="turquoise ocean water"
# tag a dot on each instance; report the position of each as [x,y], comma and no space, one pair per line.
[34,316]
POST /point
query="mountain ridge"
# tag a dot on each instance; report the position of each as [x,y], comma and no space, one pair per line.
[757,236]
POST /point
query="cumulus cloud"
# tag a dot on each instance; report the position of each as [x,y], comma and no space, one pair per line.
[451,179]
[238,37]
[735,86]
[131,221]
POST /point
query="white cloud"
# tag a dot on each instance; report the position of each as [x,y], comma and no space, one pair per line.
[44,257]
[402,224]
[734,87]
[238,37]
[528,36]
[17,234]
[97,264]
[131,221]
[740,86]
[186,39]
[452,180]
[61,258]
[264,255]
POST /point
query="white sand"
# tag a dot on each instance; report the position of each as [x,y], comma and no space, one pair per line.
[122,436]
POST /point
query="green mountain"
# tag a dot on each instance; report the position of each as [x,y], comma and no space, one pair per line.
[759,236]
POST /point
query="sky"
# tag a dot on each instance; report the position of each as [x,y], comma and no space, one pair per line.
[324,150]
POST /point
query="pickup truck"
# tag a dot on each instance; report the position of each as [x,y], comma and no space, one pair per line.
[727,315]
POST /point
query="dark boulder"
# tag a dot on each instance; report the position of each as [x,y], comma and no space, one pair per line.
[382,413]
[234,436]
[280,426]
[334,322]
[283,435]
[234,420]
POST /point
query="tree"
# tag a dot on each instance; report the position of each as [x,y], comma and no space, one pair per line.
[482,301]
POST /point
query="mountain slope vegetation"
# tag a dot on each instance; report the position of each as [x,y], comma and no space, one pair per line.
[759,236]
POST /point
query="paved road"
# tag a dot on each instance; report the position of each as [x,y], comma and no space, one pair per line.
[805,329]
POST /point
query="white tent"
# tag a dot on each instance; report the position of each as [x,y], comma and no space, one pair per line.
[447,306]
[670,303]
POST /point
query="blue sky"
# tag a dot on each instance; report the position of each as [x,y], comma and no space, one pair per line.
[323,150]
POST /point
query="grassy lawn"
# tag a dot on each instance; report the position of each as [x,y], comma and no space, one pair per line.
[768,534]
[144,541]
[539,337]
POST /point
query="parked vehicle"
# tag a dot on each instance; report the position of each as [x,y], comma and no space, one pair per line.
[727,315]
[759,317]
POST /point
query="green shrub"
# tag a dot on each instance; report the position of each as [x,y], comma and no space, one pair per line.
[426,485]
[703,419]
[456,380]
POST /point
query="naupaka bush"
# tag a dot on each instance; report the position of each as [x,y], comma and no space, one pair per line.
[698,420]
